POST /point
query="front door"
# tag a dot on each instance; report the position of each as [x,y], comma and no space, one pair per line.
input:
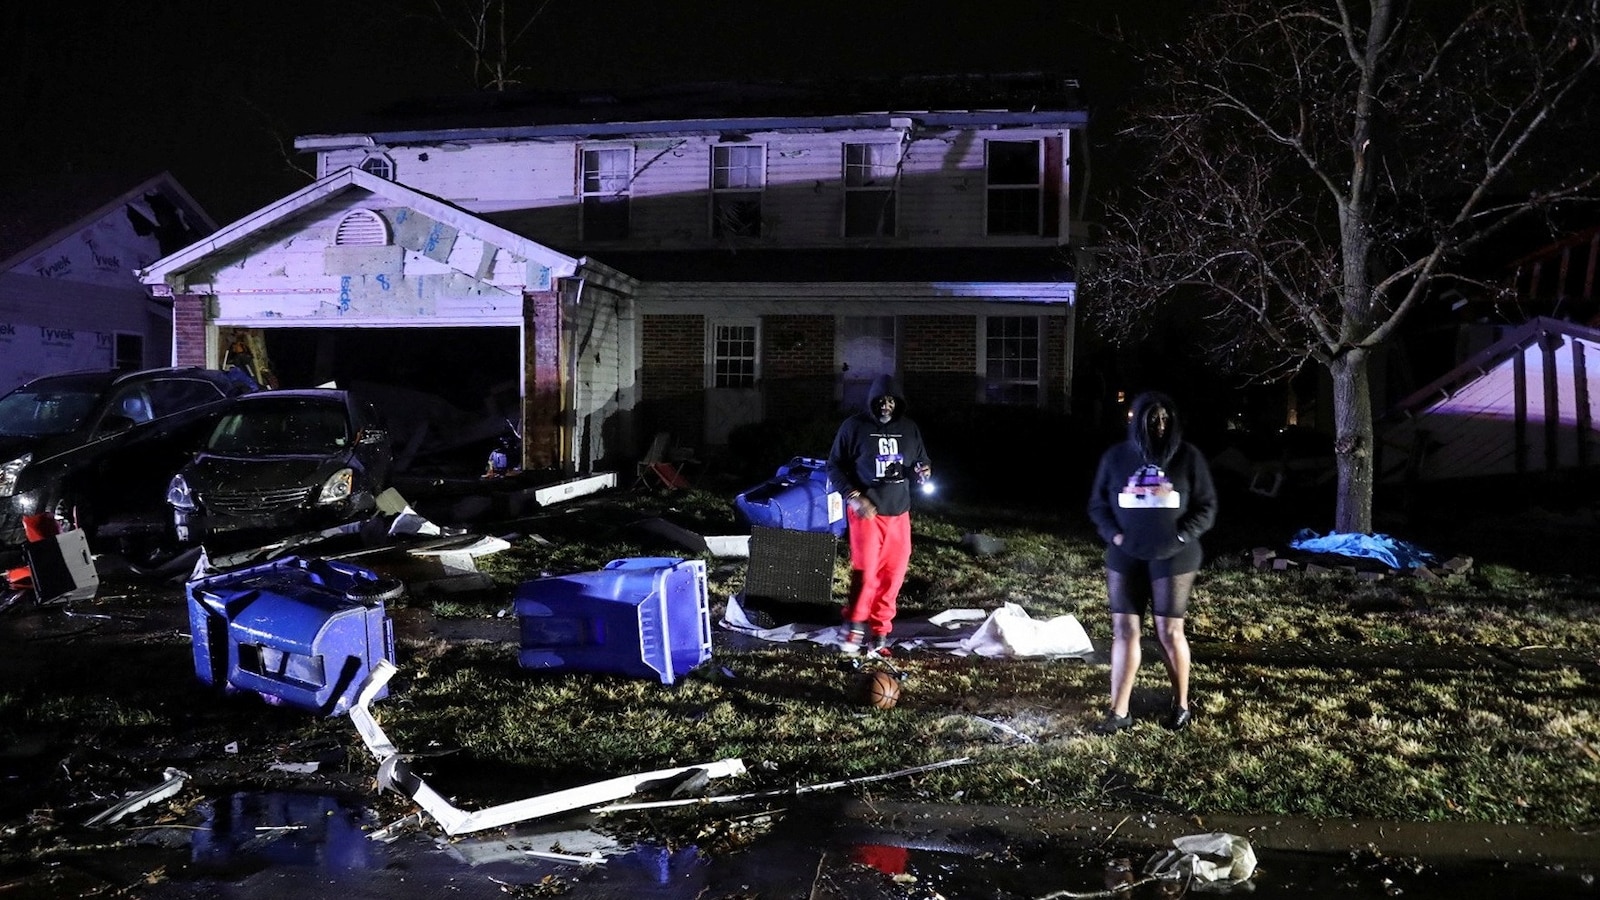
[733,371]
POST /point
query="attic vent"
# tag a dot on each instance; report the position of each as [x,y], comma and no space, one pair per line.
[362,228]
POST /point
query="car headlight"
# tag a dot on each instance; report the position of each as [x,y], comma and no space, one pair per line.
[337,487]
[178,493]
[11,471]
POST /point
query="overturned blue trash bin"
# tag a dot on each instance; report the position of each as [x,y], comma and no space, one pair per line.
[800,497]
[298,632]
[648,617]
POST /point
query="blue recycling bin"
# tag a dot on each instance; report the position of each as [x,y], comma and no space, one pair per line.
[800,497]
[298,632]
[648,617]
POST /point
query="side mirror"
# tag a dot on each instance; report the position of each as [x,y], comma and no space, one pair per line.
[372,436]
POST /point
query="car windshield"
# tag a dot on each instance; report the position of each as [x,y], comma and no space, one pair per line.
[45,410]
[286,425]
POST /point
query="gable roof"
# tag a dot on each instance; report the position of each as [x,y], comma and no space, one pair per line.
[169,271]
[64,216]
[1520,405]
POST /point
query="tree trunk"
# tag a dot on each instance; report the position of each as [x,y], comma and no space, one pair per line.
[1352,426]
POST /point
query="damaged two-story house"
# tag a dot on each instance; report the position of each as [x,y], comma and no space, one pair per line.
[683,260]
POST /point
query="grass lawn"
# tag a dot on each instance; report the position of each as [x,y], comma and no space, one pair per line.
[1469,698]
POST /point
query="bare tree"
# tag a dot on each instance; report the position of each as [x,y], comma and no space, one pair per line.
[490,30]
[1310,171]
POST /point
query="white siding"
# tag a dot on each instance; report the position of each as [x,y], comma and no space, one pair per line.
[531,187]
[597,327]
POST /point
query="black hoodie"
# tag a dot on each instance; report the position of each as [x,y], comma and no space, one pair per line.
[879,459]
[1156,493]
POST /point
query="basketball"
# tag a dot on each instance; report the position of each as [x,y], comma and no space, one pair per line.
[880,690]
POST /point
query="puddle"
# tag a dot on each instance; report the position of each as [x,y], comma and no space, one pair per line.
[253,830]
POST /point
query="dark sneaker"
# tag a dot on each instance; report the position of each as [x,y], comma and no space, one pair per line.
[1113,723]
[1178,718]
[879,646]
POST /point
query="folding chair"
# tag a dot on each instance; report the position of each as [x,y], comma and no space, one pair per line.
[656,470]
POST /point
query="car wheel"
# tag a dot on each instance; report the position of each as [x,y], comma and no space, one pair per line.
[371,593]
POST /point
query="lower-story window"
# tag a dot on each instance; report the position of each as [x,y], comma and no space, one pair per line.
[733,354]
[1011,359]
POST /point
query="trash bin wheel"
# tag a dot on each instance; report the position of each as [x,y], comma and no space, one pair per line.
[381,590]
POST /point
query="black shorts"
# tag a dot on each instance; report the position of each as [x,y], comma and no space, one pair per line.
[1131,583]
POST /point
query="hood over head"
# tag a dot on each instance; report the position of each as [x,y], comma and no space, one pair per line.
[1156,450]
[886,386]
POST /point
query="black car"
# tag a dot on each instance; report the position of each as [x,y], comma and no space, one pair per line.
[283,462]
[90,447]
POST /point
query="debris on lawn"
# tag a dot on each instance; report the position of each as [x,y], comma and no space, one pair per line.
[784,792]
[1367,557]
[569,846]
[394,773]
[1007,631]
[1203,861]
[174,781]
[1206,858]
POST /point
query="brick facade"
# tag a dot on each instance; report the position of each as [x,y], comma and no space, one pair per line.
[672,377]
[939,360]
[541,405]
[797,356]
[189,330]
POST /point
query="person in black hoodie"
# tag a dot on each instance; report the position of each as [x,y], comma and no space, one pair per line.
[876,456]
[1152,499]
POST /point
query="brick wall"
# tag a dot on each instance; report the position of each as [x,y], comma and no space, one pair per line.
[189,330]
[672,377]
[939,360]
[797,376]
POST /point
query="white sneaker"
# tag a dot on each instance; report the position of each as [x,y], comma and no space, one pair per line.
[853,640]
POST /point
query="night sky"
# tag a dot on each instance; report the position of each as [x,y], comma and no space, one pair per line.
[101,96]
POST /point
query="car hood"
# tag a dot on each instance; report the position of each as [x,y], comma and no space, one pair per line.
[41,446]
[210,471]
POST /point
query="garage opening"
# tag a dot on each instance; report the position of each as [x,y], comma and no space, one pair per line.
[446,394]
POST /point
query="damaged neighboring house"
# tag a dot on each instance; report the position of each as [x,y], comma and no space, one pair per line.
[70,300]
[684,260]
[1521,406]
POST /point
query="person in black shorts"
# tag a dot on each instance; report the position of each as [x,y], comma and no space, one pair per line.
[1152,499]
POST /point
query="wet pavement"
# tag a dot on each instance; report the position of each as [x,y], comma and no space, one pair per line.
[253,844]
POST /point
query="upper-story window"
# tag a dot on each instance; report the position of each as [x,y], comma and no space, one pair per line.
[869,189]
[1015,182]
[379,165]
[738,174]
[606,182]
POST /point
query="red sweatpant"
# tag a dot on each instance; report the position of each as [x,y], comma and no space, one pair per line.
[880,549]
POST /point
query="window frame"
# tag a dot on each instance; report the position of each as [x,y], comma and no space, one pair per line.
[372,162]
[603,194]
[127,351]
[887,224]
[730,194]
[995,189]
[715,373]
[992,389]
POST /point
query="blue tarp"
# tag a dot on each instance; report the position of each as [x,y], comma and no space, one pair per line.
[1397,553]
